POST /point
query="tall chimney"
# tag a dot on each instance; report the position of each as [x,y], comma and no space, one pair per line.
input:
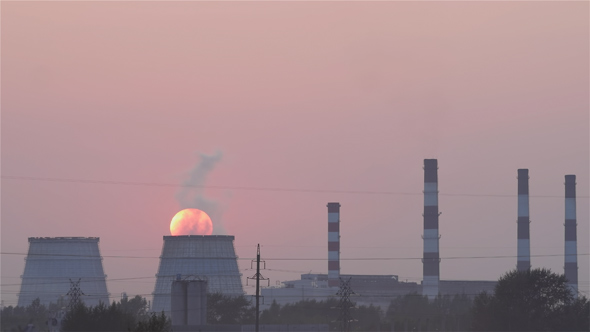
[571,250]
[333,244]
[523,262]
[431,260]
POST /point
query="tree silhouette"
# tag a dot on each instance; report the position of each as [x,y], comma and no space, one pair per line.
[534,300]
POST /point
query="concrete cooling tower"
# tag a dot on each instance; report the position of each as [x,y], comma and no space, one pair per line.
[200,257]
[53,261]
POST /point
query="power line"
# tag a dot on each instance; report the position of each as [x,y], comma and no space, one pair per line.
[273,189]
[288,258]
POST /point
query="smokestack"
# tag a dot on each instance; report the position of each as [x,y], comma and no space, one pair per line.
[524,244]
[431,260]
[571,250]
[333,244]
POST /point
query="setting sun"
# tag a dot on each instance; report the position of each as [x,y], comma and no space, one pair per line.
[191,222]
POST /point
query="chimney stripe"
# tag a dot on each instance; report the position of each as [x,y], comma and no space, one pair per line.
[570,230]
[571,251]
[570,208]
[524,250]
[523,205]
[333,236]
[333,246]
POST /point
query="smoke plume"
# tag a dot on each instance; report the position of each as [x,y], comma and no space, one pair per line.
[192,192]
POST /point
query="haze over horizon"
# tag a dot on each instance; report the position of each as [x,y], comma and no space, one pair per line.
[309,103]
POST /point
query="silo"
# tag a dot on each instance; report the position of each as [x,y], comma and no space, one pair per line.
[53,261]
[188,302]
[205,257]
[196,302]
[178,303]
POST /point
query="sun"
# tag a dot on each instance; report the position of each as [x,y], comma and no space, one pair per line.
[191,222]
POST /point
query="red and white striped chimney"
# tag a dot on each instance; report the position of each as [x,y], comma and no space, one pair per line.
[571,247]
[523,262]
[431,260]
[333,244]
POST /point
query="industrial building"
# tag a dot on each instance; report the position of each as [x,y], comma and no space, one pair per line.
[369,289]
[52,262]
[200,257]
[381,289]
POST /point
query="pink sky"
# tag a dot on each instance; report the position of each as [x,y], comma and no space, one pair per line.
[342,96]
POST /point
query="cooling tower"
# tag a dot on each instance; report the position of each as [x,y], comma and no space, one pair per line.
[523,262]
[204,257]
[333,244]
[53,261]
[431,260]
[571,247]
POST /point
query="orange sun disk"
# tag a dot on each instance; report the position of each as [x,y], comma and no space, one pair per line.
[191,222]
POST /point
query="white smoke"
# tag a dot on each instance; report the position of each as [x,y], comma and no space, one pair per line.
[191,194]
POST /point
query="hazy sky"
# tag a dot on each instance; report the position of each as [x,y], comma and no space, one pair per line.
[334,96]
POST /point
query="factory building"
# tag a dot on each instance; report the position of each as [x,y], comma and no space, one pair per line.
[380,289]
[53,261]
[369,289]
[200,257]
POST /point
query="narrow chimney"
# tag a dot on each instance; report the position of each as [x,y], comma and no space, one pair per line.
[333,244]
[571,250]
[431,260]
[523,262]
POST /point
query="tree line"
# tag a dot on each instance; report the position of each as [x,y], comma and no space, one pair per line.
[535,300]
[126,315]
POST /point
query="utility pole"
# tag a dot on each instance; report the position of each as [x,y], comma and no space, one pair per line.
[258,277]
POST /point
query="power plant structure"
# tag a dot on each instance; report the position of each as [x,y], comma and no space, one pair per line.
[523,262]
[188,262]
[380,289]
[200,257]
[53,263]
[189,302]
[333,244]
[571,246]
[431,258]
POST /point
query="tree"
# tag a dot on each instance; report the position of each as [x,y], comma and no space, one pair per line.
[137,307]
[534,300]
[98,318]
[127,315]
[225,309]
[414,311]
[272,315]
[17,318]
[366,318]
[155,323]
